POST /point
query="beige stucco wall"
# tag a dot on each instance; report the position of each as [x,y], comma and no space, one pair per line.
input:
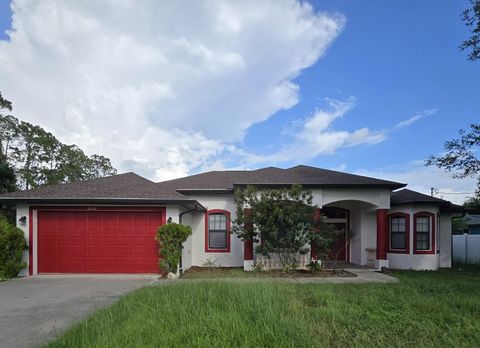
[377,197]
[194,249]
[443,236]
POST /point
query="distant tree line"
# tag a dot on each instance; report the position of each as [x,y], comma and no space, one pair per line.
[31,157]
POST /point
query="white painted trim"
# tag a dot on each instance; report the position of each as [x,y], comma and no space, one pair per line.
[248,265]
[379,264]
[35,242]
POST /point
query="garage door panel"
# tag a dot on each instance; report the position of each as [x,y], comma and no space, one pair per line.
[125,265]
[93,252]
[124,241]
[94,230]
[108,240]
[78,241]
[153,252]
[93,265]
[98,242]
[62,253]
[109,252]
[79,252]
[62,243]
[109,265]
[142,240]
[124,252]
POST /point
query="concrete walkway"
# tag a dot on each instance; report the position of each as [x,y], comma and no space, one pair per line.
[36,309]
[363,275]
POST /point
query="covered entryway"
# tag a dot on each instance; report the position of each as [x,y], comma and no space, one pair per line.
[338,218]
[98,240]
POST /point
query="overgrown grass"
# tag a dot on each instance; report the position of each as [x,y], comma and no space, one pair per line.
[426,309]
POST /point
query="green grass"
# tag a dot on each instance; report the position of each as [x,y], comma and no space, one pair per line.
[426,309]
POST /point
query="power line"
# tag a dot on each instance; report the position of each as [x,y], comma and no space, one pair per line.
[454,193]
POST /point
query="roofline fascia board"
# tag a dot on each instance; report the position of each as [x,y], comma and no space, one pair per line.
[38,200]
[190,191]
[443,204]
[392,186]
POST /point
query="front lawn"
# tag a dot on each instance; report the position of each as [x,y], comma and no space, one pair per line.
[427,309]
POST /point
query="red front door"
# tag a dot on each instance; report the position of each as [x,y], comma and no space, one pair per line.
[98,241]
[340,246]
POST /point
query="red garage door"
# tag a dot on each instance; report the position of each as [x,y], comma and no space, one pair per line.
[117,241]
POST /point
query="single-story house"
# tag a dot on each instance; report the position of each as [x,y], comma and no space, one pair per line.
[473,224]
[107,225]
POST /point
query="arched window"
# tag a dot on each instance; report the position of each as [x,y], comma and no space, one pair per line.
[424,233]
[217,231]
[399,236]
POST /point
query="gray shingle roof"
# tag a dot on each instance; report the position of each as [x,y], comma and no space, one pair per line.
[407,196]
[305,175]
[122,186]
[130,186]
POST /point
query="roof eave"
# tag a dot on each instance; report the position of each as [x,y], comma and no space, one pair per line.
[203,191]
[444,206]
[391,186]
[100,200]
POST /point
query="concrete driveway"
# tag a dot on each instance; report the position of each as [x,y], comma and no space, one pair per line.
[37,309]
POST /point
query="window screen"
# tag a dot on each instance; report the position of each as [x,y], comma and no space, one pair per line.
[423,233]
[398,233]
[217,231]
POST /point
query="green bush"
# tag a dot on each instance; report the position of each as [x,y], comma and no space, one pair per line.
[12,246]
[315,267]
[171,237]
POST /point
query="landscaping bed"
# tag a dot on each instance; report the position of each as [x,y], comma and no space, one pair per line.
[236,272]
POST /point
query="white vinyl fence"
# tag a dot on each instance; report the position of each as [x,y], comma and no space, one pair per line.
[466,248]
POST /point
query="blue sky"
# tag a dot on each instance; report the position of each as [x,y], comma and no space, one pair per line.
[397,58]
[390,61]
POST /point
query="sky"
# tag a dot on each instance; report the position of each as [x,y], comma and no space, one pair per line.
[168,89]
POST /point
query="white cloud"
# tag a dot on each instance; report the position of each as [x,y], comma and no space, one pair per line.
[422,179]
[418,116]
[317,137]
[161,87]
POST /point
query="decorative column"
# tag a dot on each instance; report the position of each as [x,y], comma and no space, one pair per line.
[248,244]
[382,239]
[248,255]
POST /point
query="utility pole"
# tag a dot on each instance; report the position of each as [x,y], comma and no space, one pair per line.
[432,190]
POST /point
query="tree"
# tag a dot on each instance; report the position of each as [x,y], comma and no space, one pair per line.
[460,157]
[7,178]
[282,219]
[471,17]
[4,103]
[473,202]
[36,157]
[100,166]
[7,175]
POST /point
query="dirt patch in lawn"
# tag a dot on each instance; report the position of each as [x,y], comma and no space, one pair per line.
[237,272]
